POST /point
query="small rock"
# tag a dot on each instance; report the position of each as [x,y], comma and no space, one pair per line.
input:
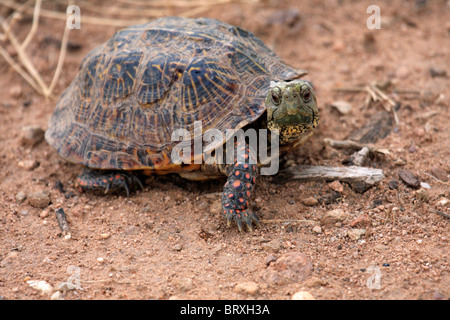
[291,267]
[272,246]
[289,18]
[184,284]
[20,196]
[44,214]
[423,195]
[105,236]
[393,184]
[270,258]
[43,286]
[355,234]
[317,229]
[361,221]
[443,202]
[250,288]
[216,207]
[39,199]
[434,72]
[336,186]
[439,174]
[177,247]
[15,91]
[302,295]
[310,201]
[32,135]
[380,247]
[438,296]
[342,106]
[412,148]
[409,178]
[399,162]
[28,164]
[57,296]
[333,216]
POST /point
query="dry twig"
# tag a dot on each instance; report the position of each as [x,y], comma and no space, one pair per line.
[30,73]
[375,93]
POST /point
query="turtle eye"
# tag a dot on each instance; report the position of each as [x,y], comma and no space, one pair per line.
[306,96]
[275,98]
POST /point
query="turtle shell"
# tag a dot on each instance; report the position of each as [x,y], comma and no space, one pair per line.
[148,80]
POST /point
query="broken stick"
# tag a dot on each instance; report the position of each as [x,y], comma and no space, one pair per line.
[359,178]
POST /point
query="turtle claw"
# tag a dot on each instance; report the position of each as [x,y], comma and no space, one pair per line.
[108,181]
[241,217]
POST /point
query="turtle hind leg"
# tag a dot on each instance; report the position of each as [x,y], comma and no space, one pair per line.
[107,181]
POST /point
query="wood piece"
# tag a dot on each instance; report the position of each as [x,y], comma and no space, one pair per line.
[409,178]
[353,145]
[359,157]
[359,178]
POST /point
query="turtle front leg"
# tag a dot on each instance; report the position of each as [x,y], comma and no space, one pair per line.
[238,189]
[92,180]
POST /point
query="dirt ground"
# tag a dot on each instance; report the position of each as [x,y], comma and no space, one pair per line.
[171,242]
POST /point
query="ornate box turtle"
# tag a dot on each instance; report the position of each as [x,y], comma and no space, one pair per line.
[131,93]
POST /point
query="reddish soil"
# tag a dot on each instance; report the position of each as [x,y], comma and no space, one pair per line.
[170,241]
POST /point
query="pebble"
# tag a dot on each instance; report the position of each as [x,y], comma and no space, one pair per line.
[105,236]
[272,246]
[409,178]
[336,186]
[44,214]
[57,296]
[28,164]
[39,199]
[423,195]
[184,284]
[177,247]
[361,221]
[292,267]
[302,295]
[32,135]
[443,202]
[21,196]
[15,91]
[43,286]
[425,185]
[334,216]
[355,234]
[393,184]
[216,207]
[435,72]
[310,201]
[317,229]
[270,258]
[250,288]
[342,106]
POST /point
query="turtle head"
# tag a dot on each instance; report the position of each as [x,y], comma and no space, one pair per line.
[292,109]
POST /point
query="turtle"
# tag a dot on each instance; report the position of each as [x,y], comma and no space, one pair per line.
[118,115]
